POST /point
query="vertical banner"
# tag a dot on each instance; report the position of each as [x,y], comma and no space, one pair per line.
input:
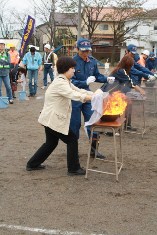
[28,31]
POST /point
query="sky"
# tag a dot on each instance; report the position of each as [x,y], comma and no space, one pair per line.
[25,4]
[151,4]
[21,4]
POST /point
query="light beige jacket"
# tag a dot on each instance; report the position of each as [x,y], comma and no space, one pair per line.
[57,108]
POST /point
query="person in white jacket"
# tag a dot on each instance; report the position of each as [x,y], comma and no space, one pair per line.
[55,117]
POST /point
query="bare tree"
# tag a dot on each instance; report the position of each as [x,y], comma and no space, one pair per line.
[124,10]
[92,15]
[45,12]
[5,20]
[121,11]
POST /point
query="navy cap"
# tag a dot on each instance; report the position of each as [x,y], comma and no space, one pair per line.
[151,55]
[84,44]
[132,48]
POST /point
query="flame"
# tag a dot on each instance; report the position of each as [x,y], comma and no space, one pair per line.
[116,104]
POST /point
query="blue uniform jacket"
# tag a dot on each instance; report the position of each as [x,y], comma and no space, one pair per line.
[83,70]
[151,64]
[138,71]
[122,77]
[122,82]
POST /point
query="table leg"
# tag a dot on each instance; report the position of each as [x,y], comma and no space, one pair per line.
[89,150]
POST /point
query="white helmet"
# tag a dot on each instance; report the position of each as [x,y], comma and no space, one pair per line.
[146,52]
[47,46]
[2,41]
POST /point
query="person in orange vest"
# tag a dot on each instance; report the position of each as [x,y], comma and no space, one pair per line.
[14,57]
[143,57]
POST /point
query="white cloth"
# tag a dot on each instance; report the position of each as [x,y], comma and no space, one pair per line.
[97,103]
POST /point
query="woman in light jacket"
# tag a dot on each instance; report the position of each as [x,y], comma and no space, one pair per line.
[55,117]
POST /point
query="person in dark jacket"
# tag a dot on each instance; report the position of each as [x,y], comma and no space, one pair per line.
[124,83]
[137,71]
[151,62]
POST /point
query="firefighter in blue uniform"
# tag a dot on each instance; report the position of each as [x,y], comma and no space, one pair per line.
[138,71]
[151,62]
[86,72]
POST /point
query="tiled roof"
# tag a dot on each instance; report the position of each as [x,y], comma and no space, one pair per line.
[113,14]
[152,13]
[66,18]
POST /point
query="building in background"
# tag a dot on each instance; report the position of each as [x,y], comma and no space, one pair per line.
[144,36]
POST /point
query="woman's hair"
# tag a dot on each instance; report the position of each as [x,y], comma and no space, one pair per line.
[64,63]
[22,70]
[126,63]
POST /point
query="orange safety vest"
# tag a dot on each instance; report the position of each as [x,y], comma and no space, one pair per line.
[142,61]
[14,57]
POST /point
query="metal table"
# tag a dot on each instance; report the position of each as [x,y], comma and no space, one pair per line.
[114,127]
[153,92]
[141,111]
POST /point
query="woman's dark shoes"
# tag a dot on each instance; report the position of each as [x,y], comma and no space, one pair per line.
[40,167]
[31,95]
[80,171]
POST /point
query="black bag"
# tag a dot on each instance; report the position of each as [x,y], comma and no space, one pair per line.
[14,86]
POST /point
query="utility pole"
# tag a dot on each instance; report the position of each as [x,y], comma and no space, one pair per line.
[52,23]
[79,20]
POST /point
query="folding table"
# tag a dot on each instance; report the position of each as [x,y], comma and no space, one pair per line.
[100,127]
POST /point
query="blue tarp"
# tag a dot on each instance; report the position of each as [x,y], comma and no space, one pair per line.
[57,48]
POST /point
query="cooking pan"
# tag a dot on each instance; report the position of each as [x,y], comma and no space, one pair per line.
[109,118]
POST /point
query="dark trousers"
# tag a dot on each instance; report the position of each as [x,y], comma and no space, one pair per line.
[52,139]
[128,113]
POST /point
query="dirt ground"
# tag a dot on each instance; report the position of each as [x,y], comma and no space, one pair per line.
[55,203]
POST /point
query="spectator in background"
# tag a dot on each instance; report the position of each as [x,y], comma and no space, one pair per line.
[143,57]
[4,71]
[33,61]
[14,58]
[48,63]
[151,62]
